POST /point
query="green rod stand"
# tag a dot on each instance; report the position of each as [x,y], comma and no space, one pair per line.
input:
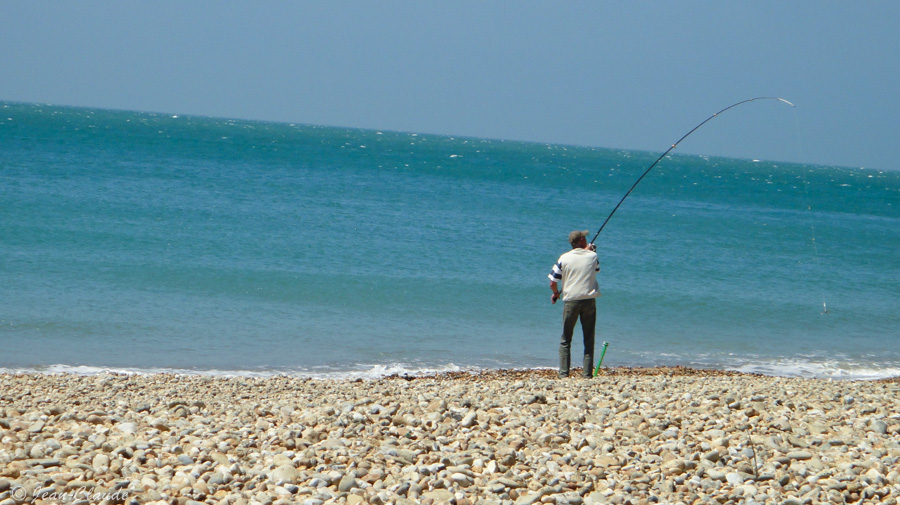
[602,353]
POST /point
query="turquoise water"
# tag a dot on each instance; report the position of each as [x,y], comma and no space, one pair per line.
[151,242]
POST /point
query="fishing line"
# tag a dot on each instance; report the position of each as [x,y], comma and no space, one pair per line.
[673,147]
[812,224]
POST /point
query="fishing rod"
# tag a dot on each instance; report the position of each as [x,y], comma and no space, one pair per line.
[673,147]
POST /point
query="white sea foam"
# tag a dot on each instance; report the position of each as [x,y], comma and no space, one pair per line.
[809,367]
[367,372]
[779,367]
[797,367]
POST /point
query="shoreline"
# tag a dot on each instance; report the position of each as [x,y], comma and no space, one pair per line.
[512,437]
[489,373]
[612,372]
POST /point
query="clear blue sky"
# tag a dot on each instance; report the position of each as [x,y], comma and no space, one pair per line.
[633,75]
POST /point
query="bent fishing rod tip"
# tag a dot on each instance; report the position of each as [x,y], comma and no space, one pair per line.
[785,101]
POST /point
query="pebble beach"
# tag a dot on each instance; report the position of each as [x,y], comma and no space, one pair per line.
[629,436]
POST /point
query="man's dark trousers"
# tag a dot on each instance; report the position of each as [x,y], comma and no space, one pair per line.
[586,310]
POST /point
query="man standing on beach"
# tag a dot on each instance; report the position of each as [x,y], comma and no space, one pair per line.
[576,271]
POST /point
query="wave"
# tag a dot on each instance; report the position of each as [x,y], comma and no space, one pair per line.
[835,370]
[366,372]
[776,367]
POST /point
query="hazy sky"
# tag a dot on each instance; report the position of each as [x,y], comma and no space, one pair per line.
[621,74]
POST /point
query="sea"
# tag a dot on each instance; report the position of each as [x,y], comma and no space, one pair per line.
[134,242]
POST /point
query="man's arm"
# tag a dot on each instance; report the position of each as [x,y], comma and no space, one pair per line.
[555,288]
